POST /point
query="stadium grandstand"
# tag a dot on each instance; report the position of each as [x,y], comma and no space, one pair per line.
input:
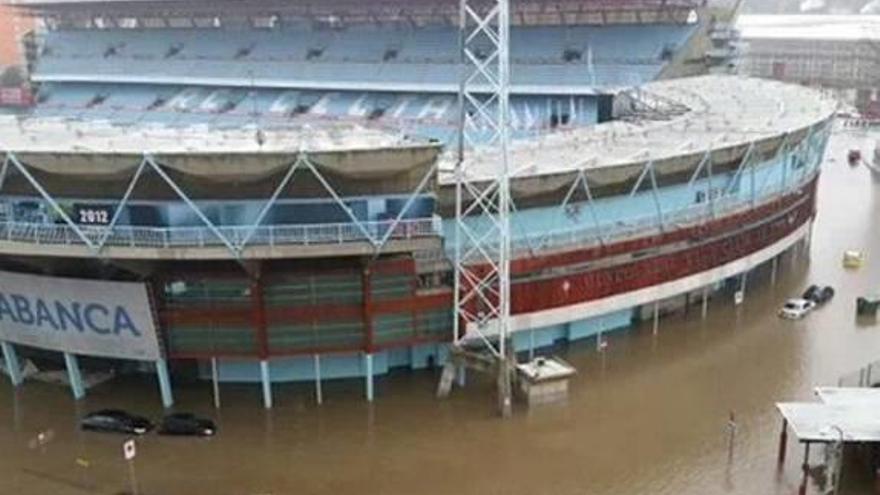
[278,175]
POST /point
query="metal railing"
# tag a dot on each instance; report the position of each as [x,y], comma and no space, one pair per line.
[648,224]
[240,236]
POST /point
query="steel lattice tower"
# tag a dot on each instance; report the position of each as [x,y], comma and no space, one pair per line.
[483,204]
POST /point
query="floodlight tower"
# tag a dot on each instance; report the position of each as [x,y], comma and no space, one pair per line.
[483,204]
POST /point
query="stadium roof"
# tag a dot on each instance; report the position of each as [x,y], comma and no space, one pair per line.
[597,3]
[725,113]
[722,112]
[354,10]
[36,135]
[810,27]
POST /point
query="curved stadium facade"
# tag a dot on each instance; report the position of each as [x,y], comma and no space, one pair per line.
[279,175]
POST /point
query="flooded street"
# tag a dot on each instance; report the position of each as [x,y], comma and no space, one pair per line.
[648,416]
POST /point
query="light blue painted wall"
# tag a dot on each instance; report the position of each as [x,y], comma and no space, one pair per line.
[768,180]
[612,212]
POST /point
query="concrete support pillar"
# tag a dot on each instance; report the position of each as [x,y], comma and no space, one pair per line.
[808,241]
[461,376]
[368,376]
[705,309]
[215,381]
[505,389]
[531,344]
[75,376]
[13,366]
[164,383]
[267,384]
[319,393]
[774,267]
[656,317]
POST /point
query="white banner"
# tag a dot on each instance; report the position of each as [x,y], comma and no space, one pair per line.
[88,317]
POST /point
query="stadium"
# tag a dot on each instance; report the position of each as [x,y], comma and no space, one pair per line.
[269,187]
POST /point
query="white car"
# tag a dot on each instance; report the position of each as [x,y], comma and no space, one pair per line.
[795,309]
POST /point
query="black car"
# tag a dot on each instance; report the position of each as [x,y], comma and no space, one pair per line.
[116,421]
[819,295]
[185,424]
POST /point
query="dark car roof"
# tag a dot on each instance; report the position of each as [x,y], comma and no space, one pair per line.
[181,416]
[117,413]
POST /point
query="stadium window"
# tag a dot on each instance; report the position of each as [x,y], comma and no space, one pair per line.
[96,100]
[113,50]
[559,119]
[174,50]
[244,52]
[157,103]
[570,55]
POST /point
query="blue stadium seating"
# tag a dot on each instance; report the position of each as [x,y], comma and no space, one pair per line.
[601,56]
[431,116]
[408,77]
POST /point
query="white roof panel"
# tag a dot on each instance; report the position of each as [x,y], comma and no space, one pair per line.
[849,396]
[817,422]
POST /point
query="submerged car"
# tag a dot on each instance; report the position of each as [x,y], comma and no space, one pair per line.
[116,421]
[795,309]
[185,424]
[819,295]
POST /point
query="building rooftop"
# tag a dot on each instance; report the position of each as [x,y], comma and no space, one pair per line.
[810,27]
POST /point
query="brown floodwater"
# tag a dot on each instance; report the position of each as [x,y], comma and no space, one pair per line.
[647,416]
